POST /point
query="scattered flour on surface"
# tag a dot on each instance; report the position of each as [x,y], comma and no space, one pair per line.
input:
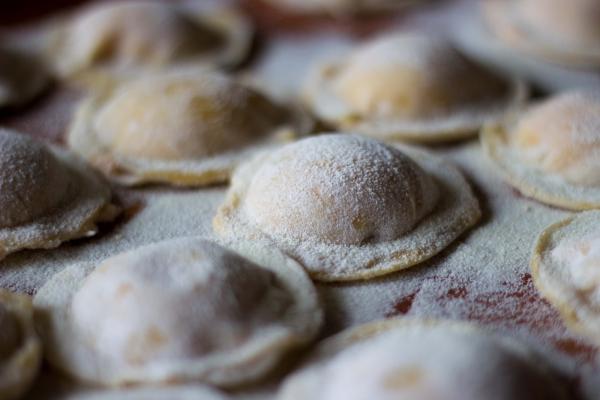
[484,276]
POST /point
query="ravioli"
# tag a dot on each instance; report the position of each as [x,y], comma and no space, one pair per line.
[175,392]
[183,127]
[421,360]
[47,195]
[22,77]
[183,310]
[20,349]
[549,151]
[409,86]
[340,7]
[565,270]
[135,34]
[348,207]
[557,31]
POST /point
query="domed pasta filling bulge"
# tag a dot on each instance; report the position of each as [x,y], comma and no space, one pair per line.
[581,256]
[191,302]
[134,33]
[339,189]
[413,76]
[32,181]
[576,22]
[421,361]
[562,137]
[184,116]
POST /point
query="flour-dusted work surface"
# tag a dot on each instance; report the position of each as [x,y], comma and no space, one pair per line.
[482,277]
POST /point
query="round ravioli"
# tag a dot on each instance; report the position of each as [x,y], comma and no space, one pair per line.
[47,195]
[348,207]
[565,270]
[183,127]
[20,349]
[410,86]
[340,7]
[550,150]
[134,34]
[178,392]
[421,360]
[565,32]
[22,77]
[177,311]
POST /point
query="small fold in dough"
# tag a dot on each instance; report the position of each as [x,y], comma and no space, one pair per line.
[183,310]
[549,151]
[348,207]
[184,127]
[412,87]
[20,348]
[421,360]
[47,195]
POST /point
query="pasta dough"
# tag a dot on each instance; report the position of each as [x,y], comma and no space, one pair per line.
[47,196]
[565,270]
[409,86]
[549,151]
[554,30]
[20,349]
[177,311]
[339,7]
[348,207]
[136,34]
[183,127]
[421,360]
[178,392]
[22,77]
